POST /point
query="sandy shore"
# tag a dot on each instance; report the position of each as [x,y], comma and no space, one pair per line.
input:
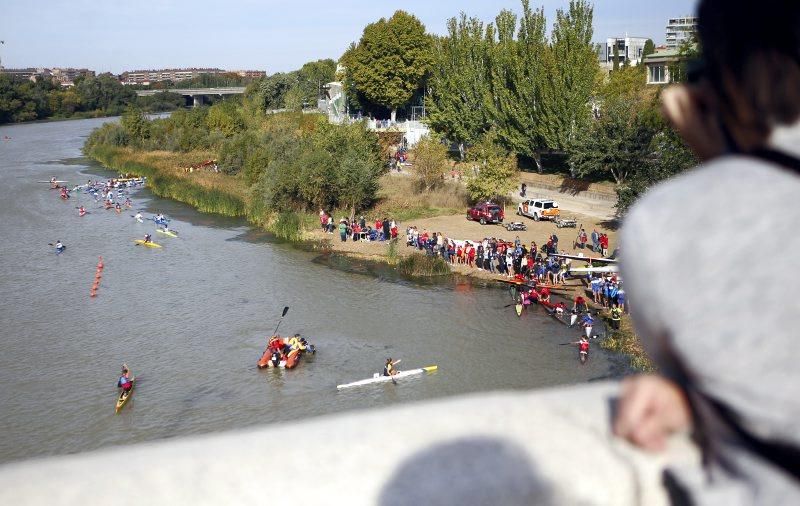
[458,227]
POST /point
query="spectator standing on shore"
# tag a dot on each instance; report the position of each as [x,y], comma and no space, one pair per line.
[386,229]
[595,240]
[727,365]
[343,230]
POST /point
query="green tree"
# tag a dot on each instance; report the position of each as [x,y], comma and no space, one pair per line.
[135,124]
[517,68]
[669,156]
[572,67]
[430,162]
[615,145]
[649,48]
[225,117]
[391,60]
[458,90]
[494,170]
[272,90]
[311,77]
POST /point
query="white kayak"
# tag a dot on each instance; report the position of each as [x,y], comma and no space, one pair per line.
[378,378]
[587,270]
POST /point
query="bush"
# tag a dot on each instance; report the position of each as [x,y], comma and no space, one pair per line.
[418,265]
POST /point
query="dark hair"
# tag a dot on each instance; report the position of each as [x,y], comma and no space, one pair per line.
[758,46]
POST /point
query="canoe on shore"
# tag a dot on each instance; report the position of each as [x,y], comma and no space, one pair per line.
[378,378]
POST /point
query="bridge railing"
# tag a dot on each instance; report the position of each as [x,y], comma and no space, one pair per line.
[540,447]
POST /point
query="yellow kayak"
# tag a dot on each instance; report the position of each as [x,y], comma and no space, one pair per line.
[168,233]
[124,396]
[140,242]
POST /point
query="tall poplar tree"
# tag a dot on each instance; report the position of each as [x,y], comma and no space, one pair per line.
[458,88]
[517,70]
[571,75]
[391,60]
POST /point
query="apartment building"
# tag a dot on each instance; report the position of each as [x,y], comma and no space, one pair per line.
[174,75]
[680,30]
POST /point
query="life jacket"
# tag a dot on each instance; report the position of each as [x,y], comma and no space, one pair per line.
[388,369]
[615,314]
[584,346]
[123,380]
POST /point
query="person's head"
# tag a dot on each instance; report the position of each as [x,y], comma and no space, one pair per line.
[388,361]
[124,370]
[750,66]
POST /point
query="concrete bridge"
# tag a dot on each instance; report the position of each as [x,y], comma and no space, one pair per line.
[548,447]
[196,94]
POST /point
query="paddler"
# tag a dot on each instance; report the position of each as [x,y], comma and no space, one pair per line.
[59,246]
[388,369]
[616,316]
[587,322]
[139,217]
[579,304]
[583,348]
[81,211]
[118,208]
[124,381]
[64,193]
[148,238]
[53,183]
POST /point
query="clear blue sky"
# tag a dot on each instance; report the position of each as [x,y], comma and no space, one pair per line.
[118,35]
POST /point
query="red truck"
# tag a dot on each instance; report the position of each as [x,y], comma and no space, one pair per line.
[486,212]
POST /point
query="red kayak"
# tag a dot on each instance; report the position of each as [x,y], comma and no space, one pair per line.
[272,358]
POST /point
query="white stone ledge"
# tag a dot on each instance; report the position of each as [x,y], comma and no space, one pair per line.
[539,447]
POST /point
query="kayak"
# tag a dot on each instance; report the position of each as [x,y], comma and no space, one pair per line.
[168,233]
[141,242]
[290,361]
[518,308]
[378,378]
[60,250]
[124,396]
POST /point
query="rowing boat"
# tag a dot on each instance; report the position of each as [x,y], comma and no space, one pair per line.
[377,378]
[141,242]
[168,233]
[124,396]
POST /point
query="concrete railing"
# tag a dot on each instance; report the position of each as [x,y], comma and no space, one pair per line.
[541,447]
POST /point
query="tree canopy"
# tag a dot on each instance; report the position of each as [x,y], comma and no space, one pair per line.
[391,61]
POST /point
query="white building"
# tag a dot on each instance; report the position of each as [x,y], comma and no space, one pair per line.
[630,50]
[680,30]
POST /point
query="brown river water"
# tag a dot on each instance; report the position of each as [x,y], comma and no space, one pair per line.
[191,319]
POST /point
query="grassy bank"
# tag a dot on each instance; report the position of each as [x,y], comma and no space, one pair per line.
[626,341]
[217,193]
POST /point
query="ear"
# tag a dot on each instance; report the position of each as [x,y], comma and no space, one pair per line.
[692,112]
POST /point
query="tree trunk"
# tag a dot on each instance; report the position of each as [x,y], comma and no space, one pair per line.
[537,157]
[352,213]
[461,150]
[394,115]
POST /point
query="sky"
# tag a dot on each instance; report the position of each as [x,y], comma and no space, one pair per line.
[276,36]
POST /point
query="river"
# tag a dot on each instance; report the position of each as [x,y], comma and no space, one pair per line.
[191,320]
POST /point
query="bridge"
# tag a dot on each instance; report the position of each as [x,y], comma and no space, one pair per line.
[196,94]
[517,447]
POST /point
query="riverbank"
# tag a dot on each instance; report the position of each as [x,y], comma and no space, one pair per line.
[217,193]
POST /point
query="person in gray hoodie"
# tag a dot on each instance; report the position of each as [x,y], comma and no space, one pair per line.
[717,321]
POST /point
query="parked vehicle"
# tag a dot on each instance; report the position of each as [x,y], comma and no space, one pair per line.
[566,222]
[516,226]
[486,212]
[538,209]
